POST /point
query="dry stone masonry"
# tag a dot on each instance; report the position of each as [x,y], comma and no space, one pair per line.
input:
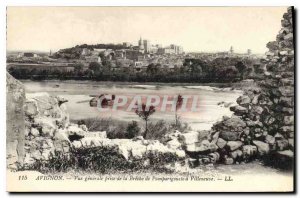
[263,122]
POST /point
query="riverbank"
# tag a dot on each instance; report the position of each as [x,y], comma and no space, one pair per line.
[241,85]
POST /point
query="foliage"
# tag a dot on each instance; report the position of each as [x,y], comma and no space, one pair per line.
[144,112]
[132,130]
[194,70]
[100,160]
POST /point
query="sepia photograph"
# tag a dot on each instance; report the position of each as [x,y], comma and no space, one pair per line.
[150,99]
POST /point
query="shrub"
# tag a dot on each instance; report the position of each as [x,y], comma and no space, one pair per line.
[114,128]
[157,130]
[132,130]
[101,159]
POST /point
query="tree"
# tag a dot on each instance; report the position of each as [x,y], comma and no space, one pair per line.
[94,66]
[144,113]
[241,67]
[227,73]
[152,69]
[78,67]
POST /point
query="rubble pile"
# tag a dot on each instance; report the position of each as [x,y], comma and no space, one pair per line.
[263,120]
[47,127]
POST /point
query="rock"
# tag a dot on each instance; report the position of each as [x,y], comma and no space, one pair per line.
[270,139]
[180,153]
[47,124]
[137,138]
[203,147]
[249,150]
[215,157]
[229,136]
[234,123]
[61,100]
[233,145]
[95,134]
[193,163]
[221,143]
[239,110]
[287,128]
[228,161]
[262,147]
[291,143]
[246,131]
[257,110]
[255,100]
[34,132]
[30,108]
[236,154]
[83,127]
[243,100]
[75,130]
[215,137]
[288,120]
[138,150]
[174,144]
[282,144]
[278,136]
[189,138]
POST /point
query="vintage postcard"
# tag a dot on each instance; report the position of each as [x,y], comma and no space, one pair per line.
[150,99]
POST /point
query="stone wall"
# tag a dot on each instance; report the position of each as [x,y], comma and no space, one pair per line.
[263,122]
[15,125]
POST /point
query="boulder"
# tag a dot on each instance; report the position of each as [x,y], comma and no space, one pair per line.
[94,134]
[282,144]
[239,110]
[204,147]
[233,145]
[291,142]
[270,139]
[215,157]
[31,108]
[189,138]
[243,100]
[34,132]
[215,137]
[174,144]
[262,147]
[228,161]
[236,154]
[229,135]
[221,143]
[249,150]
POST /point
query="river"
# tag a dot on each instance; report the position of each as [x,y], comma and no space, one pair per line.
[78,93]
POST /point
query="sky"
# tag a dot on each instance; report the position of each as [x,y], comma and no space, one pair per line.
[206,29]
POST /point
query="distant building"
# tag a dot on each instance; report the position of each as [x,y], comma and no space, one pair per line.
[231,50]
[249,52]
[85,52]
[29,55]
[93,58]
[126,44]
[132,54]
[147,46]
[120,54]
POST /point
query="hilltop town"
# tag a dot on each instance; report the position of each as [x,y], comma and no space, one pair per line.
[128,62]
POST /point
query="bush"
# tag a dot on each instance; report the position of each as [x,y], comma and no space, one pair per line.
[114,128]
[157,130]
[101,159]
[132,130]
